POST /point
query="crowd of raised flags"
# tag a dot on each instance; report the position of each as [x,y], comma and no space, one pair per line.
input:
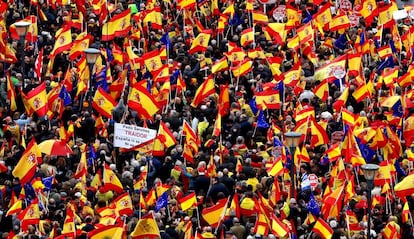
[221,82]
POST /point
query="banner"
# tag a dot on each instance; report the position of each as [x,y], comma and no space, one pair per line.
[128,136]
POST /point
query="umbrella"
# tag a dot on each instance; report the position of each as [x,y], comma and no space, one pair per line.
[55,147]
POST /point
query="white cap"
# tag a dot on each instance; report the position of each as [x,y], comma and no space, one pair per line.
[78,194]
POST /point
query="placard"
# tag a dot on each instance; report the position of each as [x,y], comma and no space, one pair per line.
[128,136]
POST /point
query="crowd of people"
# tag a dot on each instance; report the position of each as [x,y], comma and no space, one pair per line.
[229,141]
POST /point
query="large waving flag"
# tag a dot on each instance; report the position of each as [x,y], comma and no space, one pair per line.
[36,100]
[200,43]
[323,229]
[80,44]
[243,68]
[333,70]
[369,10]
[405,187]
[63,41]
[111,181]
[146,228]
[30,215]
[27,165]
[152,60]
[204,90]
[103,103]
[140,100]
[123,205]
[115,231]
[188,201]
[212,215]
[118,26]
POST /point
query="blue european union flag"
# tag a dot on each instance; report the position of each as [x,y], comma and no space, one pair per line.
[389,62]
[48,182]
[341,42]
[91,155]
[366,152]
[261,121]
[235,21]
[313,206]
[161,202]
[253,107]
[65,96]
[174,77]
[165,39]
[398,168]
[109,55]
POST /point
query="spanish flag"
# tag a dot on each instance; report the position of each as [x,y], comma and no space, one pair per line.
[118,26]
[405,187]
[11,92]
[111,181]
[354,63]
[368,10]
[123,205]
[186,4]
[36,100]
[305,33]
[140,100]
[63,41]
[206,89]
[268,99]
[278,228]
[30,215]
[323,229]
[277,31]
[152,60]
[115,231]
[256,53]
[333,70]
[247,37]
[260,17]
[341,101]
[16,207]
[235,54]
[146,228]
[154,17]
[276,168]
[223,20]
[212,215]
[339,22]
[103,103]
[200,43]
[27,165]
[220,65]
[322,90]
[324,16]
[386,13]
[243,68]
[166,136]
[348,118]
[384,52]
[188,201]
[80,44]
[224,99]
[361,93]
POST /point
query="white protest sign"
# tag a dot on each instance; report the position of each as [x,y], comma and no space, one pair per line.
[313,181]
[128,136]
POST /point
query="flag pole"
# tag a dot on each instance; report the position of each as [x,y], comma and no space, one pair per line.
[198,216]
[222,216]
